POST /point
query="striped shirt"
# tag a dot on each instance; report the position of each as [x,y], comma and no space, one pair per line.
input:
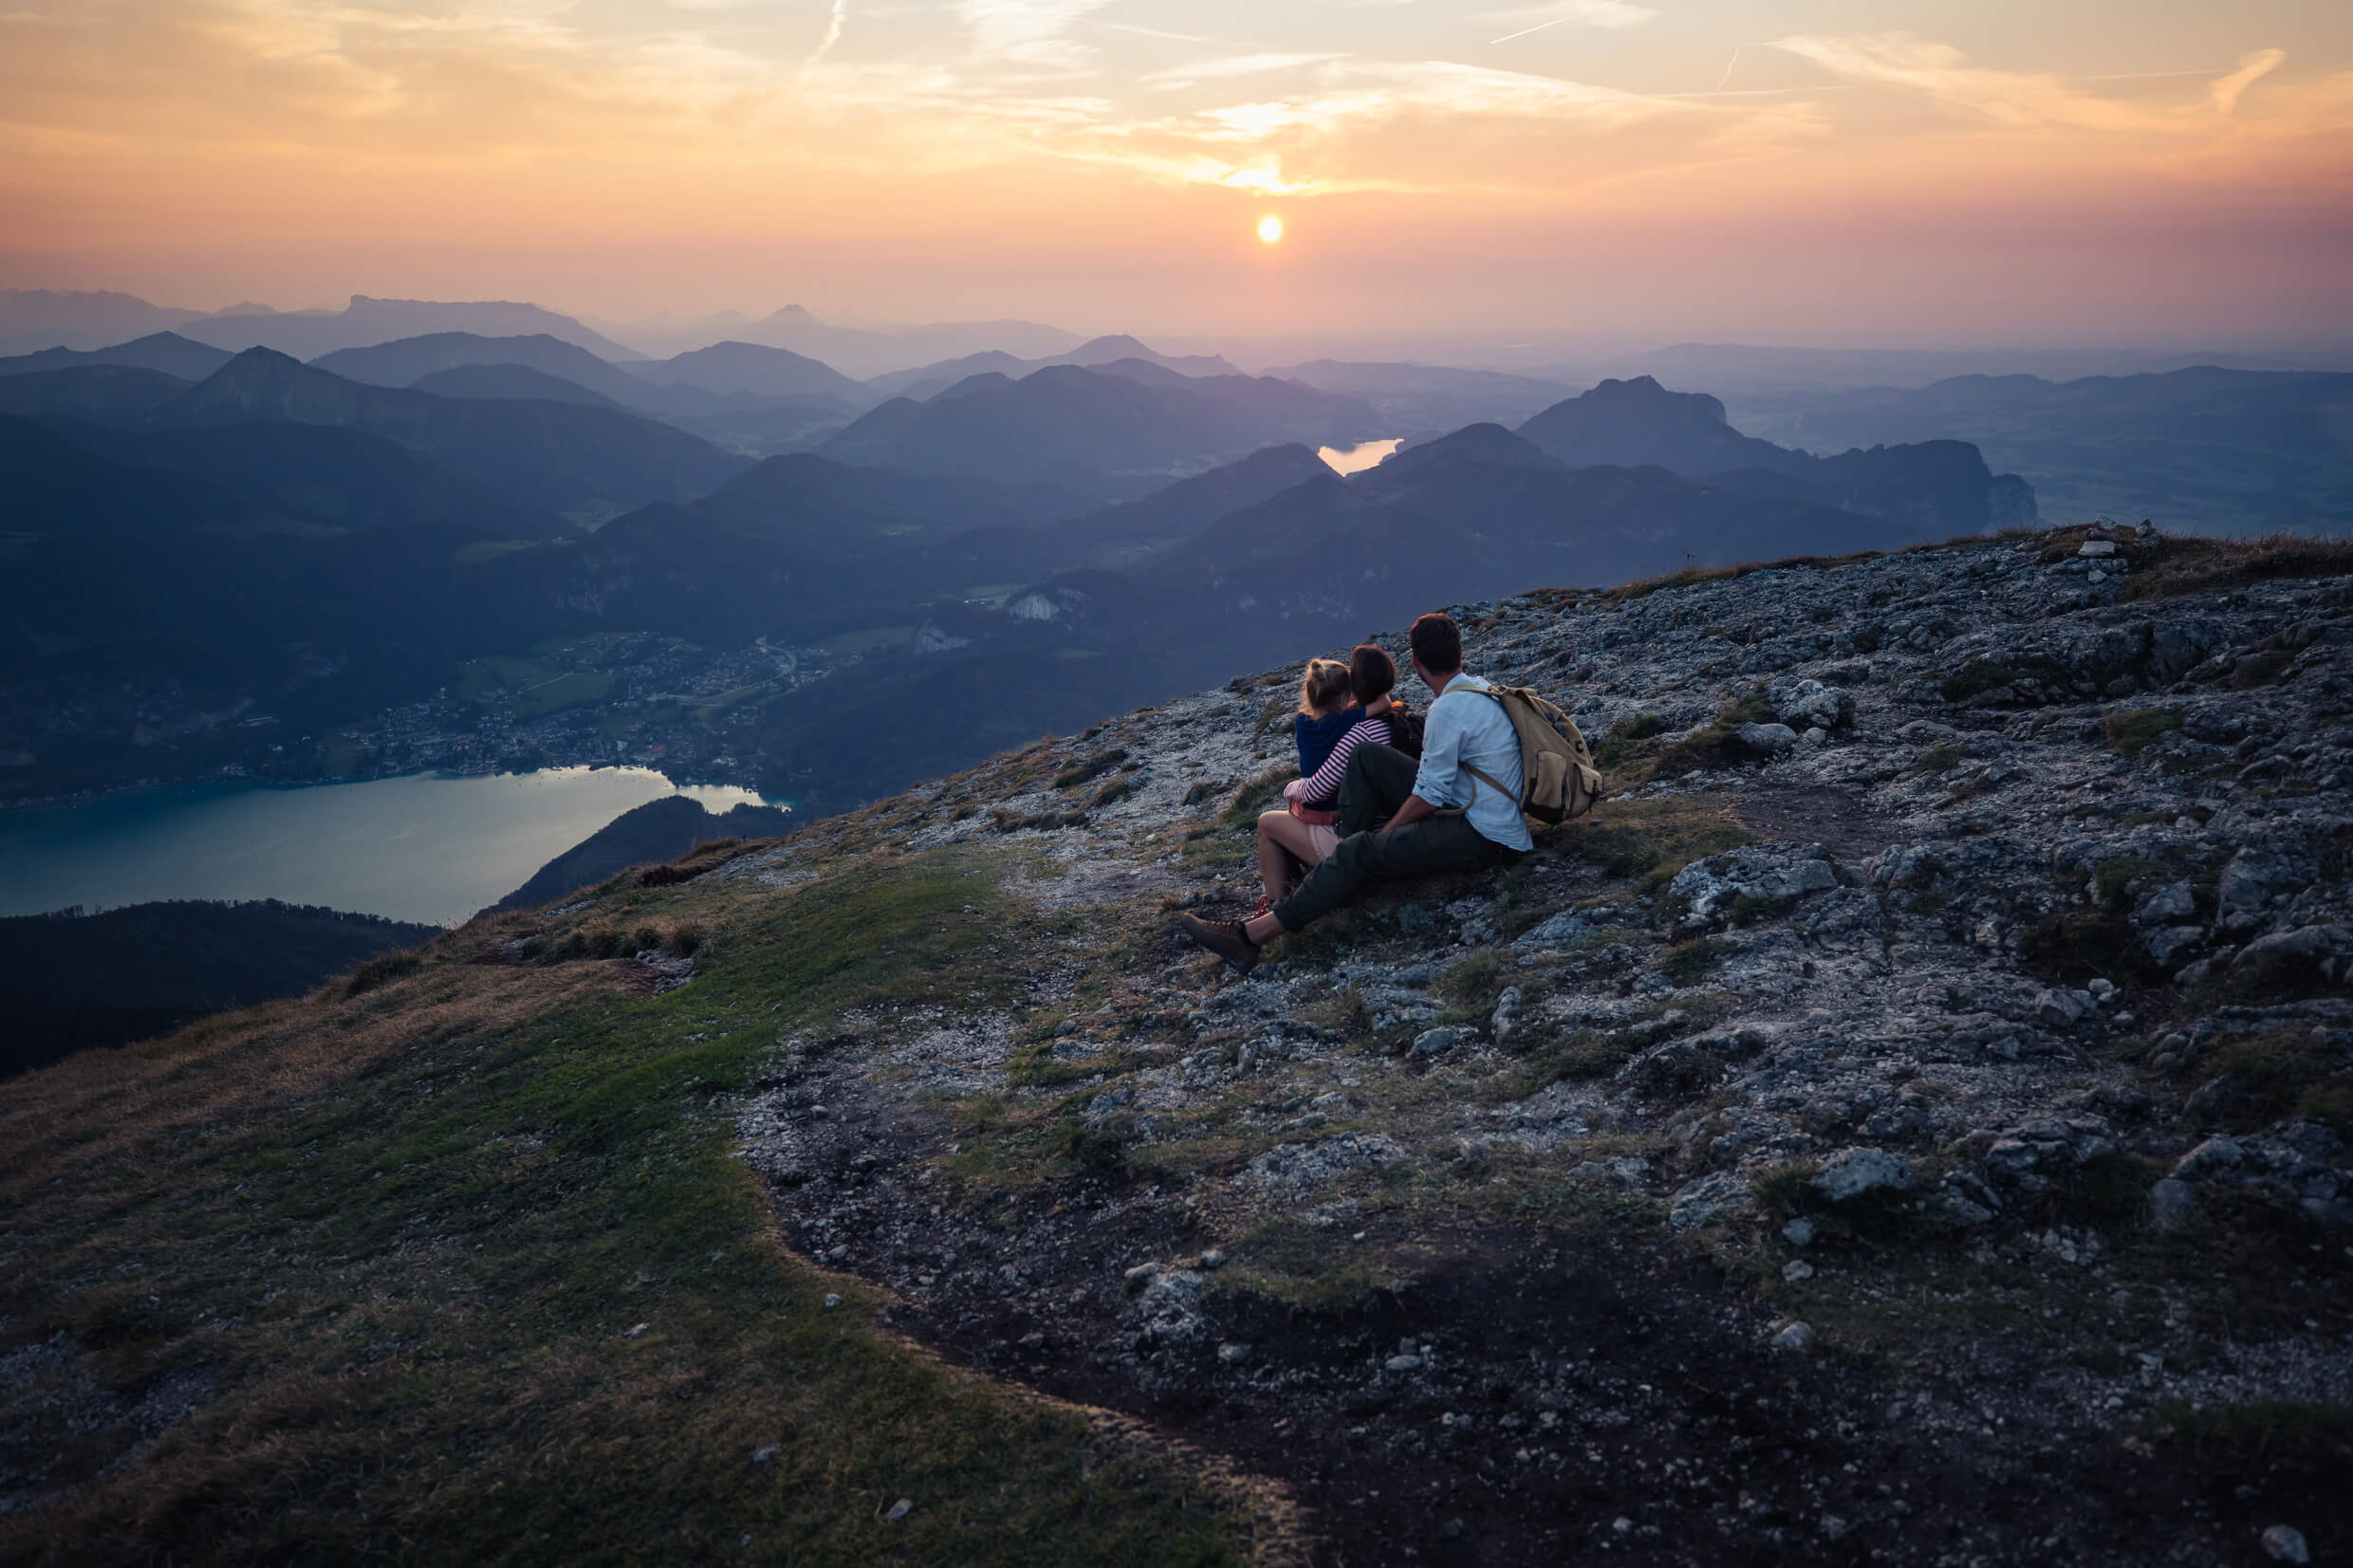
[1321,788]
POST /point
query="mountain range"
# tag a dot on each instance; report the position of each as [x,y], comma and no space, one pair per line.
[2204,447]
[1129,424]
[1074,541]
[1931,484]
[925,381]
[1422,400]
[549,455]
[723,375]
[858,351]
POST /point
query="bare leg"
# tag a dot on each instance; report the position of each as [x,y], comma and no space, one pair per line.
[1283,841]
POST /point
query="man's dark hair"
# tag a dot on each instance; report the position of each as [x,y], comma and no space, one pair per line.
[1438,643]
[1372,674]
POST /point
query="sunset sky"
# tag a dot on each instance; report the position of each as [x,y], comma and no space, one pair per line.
[1914,172]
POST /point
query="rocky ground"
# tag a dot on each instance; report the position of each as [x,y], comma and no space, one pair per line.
[1905,1123]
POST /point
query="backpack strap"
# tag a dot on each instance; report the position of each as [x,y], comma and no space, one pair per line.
[1481,776]
[1478,776]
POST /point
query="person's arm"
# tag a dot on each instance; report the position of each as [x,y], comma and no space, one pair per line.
[1441,753]
[1325,781]
[1414,810]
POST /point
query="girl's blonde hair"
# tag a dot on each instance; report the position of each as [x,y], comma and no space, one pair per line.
[1325,688]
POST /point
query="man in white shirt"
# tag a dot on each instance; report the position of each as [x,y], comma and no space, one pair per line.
[1457,810]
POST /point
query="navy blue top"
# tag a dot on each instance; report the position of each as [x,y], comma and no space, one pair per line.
[1316,737]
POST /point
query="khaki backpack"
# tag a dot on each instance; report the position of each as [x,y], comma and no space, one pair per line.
[1556,765]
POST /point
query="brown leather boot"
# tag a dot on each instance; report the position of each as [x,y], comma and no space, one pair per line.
[1223,937]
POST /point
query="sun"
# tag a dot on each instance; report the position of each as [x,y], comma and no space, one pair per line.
[1269,230]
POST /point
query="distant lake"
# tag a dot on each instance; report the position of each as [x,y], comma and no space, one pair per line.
[1347,460]
[426,846]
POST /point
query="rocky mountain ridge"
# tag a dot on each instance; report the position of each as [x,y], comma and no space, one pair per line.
[1876,1135]
[1905,1123]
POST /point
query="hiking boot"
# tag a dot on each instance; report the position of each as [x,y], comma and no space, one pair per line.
[1225,938]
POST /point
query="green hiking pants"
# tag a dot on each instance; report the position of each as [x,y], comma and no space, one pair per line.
[1379,781]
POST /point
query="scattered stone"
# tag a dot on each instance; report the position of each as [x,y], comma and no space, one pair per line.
[1506,1014]
[901,1509]
[1299,1165]
[1432,1041]
[763,1454]
[1851,1172]
[2284,1543]
[1809,704]
[1797,1337]
[831,1299]
[1402,1363]
[1232,1354]
[637,1332]
[1796,1270]
[1768,740]
[2060,1007]
[1214,1258]
[1708,1199]
[2175,901]
[2304,946]
[2217,1153]
[1799,1231]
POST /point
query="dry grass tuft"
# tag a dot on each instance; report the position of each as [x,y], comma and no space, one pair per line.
[2184,563]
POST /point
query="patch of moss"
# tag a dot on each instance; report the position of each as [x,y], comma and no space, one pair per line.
[2287,1074]
[2131,733]
[1977,677]
[1651,840]
[2112,877]
[2085,945]
[1688,962]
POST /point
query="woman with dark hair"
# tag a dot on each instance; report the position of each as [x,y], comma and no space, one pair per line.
[1296,840]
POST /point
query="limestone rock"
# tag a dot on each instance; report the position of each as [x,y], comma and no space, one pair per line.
[1444,1038]
[1711,1198]
[1809,704]
[1301,1165]
[1851,1172]
[2285,1543]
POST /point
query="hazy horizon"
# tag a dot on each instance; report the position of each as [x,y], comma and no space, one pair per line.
[1596,172]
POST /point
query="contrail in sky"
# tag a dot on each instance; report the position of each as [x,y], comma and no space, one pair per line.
[1728,69]
[833,30]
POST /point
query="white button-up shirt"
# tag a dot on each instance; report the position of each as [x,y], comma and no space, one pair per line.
[1464,729]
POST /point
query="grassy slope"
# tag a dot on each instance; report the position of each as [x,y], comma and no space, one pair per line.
[407,1234]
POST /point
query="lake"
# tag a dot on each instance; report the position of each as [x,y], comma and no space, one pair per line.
[1364,454]
[424,846]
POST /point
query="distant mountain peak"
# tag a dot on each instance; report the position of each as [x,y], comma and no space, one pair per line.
[1644,392]
[1488,444]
